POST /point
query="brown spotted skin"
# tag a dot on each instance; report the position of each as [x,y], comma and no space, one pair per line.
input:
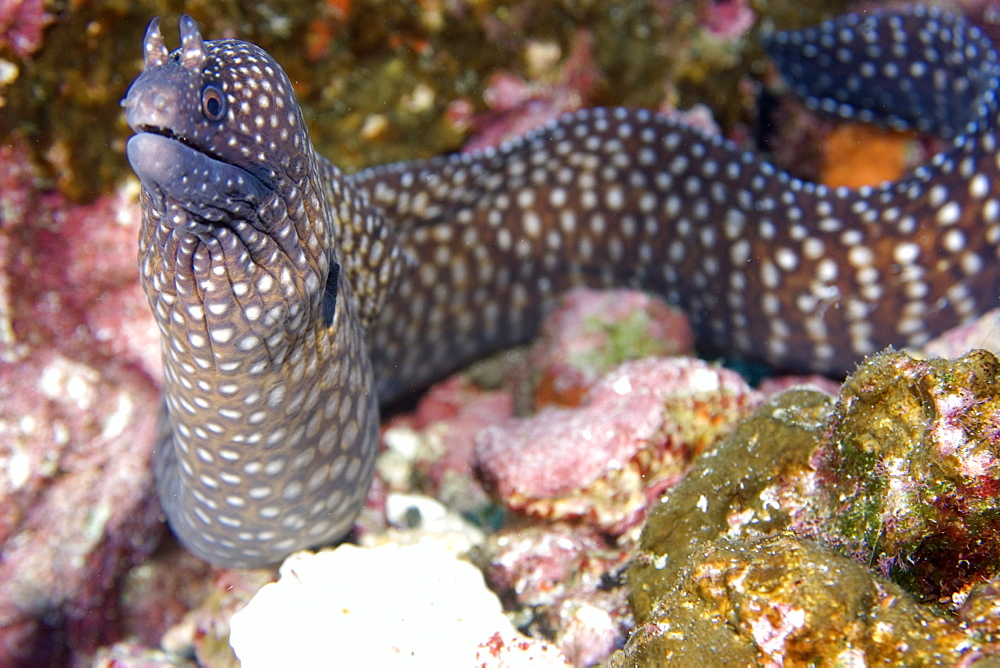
[292,299]
[768,267]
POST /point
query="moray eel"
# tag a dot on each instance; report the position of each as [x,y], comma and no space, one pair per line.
[292,299]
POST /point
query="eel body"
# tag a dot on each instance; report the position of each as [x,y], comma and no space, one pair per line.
[293,299]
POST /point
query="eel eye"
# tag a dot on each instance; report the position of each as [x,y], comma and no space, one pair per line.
[213,104]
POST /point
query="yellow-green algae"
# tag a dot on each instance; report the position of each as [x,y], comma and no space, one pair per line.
[628,339]
[897,475]
[781,600]
[738,477]
[375,78]
[916,447]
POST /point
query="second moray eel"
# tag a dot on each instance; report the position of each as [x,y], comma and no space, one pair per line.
[292,299]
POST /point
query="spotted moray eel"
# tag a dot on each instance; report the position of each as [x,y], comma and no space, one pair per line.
[292,298]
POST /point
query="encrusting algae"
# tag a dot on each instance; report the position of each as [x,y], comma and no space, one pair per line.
[781,542]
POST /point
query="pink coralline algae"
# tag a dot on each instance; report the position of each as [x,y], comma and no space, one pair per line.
[431,450]
[69,276]
[983,332]
[457,410]
[21,25]
[565,576]
[78,417]
[727,19]
[606,461]
[517,106]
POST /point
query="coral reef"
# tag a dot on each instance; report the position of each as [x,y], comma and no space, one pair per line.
[381,82]
[898,472]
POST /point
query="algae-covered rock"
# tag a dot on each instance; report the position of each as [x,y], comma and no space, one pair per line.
[912,455]
[559,577]
[847,530]
[751,484]
[785,601]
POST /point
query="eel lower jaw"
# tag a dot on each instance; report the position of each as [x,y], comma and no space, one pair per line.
[210,189]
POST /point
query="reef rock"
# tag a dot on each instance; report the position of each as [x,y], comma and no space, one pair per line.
[898,474]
